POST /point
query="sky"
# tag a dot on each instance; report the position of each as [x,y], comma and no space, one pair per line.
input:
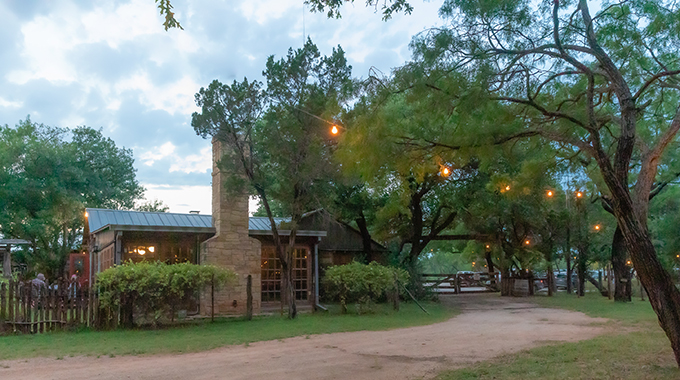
[111,65]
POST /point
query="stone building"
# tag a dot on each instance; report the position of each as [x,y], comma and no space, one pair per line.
[228,238]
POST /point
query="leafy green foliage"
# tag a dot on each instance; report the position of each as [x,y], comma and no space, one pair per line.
[49,176]
[388,7]
[276,140]
[155,205]
[361,283]
[156,288]
[165,9]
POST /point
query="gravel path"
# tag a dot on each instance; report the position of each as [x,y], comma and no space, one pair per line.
[489,326]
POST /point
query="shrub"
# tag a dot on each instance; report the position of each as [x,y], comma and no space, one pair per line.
[360,283]
[155,288]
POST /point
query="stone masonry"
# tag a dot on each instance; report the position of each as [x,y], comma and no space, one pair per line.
[231,247]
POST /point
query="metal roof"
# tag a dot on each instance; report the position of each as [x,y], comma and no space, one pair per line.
[157,221]
[261,223]
[100,219]
[13,241]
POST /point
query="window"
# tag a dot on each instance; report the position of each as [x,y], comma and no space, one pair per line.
[271,274]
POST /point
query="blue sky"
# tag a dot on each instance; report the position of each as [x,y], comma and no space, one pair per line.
[110,65]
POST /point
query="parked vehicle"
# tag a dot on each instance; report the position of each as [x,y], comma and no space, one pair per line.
[561,280]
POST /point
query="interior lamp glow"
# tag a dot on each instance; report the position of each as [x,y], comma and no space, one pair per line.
[152,249]
[141,251]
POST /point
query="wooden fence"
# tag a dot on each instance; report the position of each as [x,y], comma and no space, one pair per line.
[461,282]
[35,308]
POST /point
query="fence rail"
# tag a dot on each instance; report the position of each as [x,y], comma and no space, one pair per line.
[27,307]
[461,282]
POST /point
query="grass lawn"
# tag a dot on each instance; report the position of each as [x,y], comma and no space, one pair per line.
[636,348]
[206,336]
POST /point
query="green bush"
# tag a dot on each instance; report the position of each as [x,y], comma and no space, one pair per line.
[155,288]
[360,283]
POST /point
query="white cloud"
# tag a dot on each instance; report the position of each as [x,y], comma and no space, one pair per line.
[182,199]
[199,163]
[262,11]
[157,153]
[10,104]
[174,97]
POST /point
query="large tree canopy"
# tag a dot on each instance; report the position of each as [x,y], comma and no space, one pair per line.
[277,138]
[49,176]
[601,86]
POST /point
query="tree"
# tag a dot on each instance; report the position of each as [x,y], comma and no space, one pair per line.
[278,139]
[419,189]
[50,175]
[603,86]
[155,205]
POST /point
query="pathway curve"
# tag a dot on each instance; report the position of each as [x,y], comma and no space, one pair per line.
[489,326]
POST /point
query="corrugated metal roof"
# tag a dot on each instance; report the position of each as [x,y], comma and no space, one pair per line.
[160,221]
[261,223]
[100,218]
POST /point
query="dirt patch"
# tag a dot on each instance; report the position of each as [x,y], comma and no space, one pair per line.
[489,326]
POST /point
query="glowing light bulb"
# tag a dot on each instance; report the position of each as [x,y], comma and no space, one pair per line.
[550,193]
[335,130]
[445,171]
[527,242]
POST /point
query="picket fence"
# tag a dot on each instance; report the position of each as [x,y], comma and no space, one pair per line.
[25,308]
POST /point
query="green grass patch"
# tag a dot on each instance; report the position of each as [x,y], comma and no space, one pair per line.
[644,353]
[206,336]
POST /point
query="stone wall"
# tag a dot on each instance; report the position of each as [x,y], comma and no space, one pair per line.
[231,247]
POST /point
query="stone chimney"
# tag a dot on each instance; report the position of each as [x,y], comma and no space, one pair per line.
[231,247]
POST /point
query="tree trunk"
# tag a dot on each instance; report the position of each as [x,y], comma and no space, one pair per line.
[567,258]
[506,283]
[365,235]
[582,265]
[551,280]
[490,266]
[663,295]
[288,286]
[621,269]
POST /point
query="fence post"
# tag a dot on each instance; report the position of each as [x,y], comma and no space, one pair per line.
[457,283]
[212,299]
[3,302]
[41,311]
[249,298]
[10,301]
[395,300]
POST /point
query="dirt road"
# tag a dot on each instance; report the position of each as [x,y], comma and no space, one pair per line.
[488,327]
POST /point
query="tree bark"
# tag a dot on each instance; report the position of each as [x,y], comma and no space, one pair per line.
[567,258]
[490,266]
[621,269]
[582,266]
[366,240]
[551,280]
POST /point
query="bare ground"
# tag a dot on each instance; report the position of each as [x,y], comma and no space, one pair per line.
[489,326]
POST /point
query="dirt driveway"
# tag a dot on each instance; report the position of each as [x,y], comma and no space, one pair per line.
[488,327]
